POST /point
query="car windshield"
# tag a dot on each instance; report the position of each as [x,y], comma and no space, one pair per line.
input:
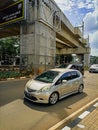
[48,76]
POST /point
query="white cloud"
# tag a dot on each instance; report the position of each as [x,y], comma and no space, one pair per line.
[96,10]
[94,52]
[87,4]
[90,6]
[91,19]
[91,27]
[64,4]
[91,24]
[69,4]
[94,40]
[81,5]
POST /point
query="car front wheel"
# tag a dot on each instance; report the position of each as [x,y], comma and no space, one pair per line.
[53,98]
[80,89]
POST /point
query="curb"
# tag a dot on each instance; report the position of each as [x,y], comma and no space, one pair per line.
[72,115]
[80,118]
[16,78]
[8,79]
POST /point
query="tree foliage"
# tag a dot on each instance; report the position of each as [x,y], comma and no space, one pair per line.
[9,48]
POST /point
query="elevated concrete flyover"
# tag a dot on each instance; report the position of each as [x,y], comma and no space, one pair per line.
[44,32]
[70,38]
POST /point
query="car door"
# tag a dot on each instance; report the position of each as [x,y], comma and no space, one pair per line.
[75,80]
[64,84]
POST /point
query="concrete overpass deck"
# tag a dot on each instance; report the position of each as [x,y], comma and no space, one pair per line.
[68,35]
[44,20]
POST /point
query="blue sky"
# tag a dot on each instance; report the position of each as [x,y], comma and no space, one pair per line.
[83,10]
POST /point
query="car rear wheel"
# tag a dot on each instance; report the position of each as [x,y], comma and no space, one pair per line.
[80,89]
[53,98]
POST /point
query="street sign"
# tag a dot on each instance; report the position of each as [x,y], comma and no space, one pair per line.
[12,13]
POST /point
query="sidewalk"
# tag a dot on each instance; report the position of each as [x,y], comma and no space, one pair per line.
[88,120]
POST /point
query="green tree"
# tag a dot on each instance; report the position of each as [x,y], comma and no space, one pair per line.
[9,48]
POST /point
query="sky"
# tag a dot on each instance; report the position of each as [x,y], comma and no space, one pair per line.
[78,11]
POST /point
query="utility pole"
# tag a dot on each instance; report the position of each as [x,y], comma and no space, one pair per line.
[82,26]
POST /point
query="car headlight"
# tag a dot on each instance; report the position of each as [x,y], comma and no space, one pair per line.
[44,89]
[28,83]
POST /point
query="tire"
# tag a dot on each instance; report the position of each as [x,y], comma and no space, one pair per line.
[80,89]
[53,98]
[91,71]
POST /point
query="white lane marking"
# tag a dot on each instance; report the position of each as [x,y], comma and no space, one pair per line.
[72,115]
[84,114]
[96,104]
[81,126]
[66,128]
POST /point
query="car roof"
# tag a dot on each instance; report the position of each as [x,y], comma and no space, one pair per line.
[76,64]
[61,70]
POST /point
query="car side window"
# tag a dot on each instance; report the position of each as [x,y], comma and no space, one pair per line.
[65,76]
[58,82]
[75,74]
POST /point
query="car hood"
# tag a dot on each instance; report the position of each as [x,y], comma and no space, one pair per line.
[36,85]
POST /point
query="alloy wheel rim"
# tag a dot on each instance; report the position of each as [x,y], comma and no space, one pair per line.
[53,98]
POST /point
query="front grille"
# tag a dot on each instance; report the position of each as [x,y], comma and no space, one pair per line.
[30,96]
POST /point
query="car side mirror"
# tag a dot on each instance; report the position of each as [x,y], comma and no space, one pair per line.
[64,81]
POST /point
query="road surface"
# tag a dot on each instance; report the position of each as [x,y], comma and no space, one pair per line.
[19,114]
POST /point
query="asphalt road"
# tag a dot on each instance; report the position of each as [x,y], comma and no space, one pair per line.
[11,90]
[32,116]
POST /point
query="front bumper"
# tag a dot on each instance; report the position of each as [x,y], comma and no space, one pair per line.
[37,97]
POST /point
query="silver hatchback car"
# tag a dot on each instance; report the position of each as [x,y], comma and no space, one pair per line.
[53,85]
[93,68]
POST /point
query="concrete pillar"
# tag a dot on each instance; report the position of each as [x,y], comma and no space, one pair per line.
[37,41]
[86,60]
[45,46]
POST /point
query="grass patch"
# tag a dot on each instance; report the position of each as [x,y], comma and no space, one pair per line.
[10,74]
